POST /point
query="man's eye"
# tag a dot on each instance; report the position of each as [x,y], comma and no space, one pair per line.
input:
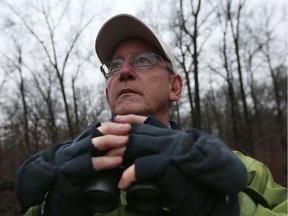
[142,61]
[115,66]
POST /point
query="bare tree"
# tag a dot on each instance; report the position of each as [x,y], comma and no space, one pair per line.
[275,56]
[50,46]
[235,29]
[3,81]
[49,62]
[44,87]
[192,28]
[270,56]
[15,70]
[226,63]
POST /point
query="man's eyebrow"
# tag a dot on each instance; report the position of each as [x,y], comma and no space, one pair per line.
[116,57]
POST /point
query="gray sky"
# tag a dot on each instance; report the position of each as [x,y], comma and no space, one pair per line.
[131,7]
[126,6]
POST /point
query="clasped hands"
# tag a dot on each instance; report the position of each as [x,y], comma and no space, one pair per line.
[113,142]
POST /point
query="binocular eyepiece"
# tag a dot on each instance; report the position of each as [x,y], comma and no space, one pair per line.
[101,194]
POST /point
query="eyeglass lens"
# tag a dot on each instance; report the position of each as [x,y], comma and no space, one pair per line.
[138,60]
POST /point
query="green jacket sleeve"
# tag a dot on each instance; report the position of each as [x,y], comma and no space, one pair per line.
[269,198]
[32,211]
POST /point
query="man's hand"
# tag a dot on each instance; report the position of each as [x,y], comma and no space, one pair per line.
[113,141]
[129,176]
[130,119]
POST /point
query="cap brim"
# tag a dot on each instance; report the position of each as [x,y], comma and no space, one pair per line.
[119,28]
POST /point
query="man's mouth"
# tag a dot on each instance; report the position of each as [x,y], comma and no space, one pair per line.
[127,91]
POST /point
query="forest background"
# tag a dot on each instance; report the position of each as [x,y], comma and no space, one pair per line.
[232,55]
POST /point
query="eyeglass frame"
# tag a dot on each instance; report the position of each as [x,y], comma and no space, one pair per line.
[167,64]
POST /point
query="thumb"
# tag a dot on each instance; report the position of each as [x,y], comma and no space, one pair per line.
[127,178]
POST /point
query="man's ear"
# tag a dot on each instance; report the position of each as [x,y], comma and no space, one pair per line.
[176,87]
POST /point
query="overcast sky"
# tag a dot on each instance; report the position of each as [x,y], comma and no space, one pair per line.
[126,6]
[131,6]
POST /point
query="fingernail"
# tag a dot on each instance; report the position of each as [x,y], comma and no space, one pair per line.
[124,126]
[120,185]
[118,116]
[118,160]
[121,139]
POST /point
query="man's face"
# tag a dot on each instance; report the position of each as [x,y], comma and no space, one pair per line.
[141,91]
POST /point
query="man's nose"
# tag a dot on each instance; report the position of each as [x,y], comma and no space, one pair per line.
[127,71]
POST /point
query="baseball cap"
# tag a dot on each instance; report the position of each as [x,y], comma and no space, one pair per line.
[124,26]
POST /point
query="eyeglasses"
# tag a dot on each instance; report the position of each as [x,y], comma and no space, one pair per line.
[139,60]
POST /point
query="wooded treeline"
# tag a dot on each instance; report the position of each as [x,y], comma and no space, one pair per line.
[233,58]
[232,55]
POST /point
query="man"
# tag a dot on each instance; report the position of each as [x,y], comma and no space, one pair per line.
[190,172]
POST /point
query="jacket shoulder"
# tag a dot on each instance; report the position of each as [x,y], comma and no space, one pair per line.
[263,186]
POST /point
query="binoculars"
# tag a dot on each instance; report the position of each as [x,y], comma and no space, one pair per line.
[101,194]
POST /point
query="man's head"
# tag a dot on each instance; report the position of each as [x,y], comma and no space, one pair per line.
[140,70]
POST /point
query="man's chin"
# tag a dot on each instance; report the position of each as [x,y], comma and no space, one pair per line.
[129,110]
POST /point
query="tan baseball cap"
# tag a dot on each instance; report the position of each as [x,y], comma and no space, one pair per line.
[124,26]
